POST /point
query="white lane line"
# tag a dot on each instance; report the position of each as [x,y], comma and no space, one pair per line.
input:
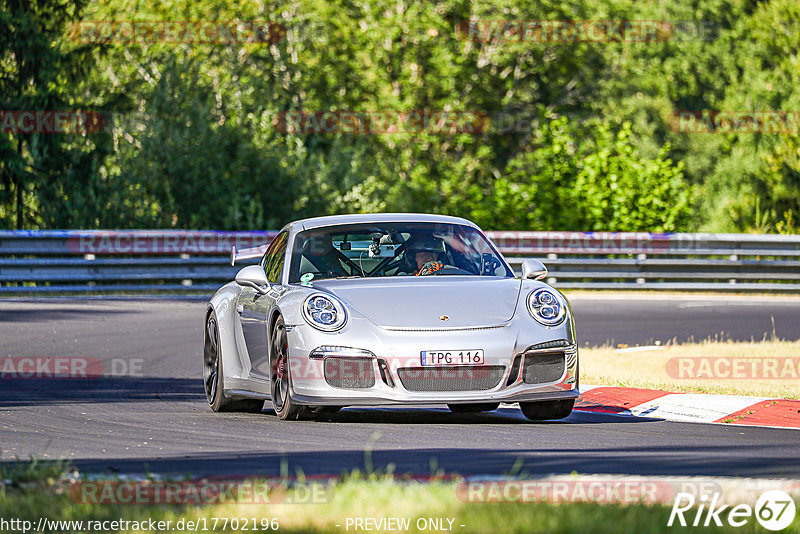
[723,303]
[789,300]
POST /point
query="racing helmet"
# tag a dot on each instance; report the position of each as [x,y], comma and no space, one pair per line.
[423,243]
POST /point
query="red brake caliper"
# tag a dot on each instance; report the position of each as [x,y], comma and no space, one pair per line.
[280,367]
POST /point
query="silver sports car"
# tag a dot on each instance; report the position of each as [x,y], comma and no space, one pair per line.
[386,309]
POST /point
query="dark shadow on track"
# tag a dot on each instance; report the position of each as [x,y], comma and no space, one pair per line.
[653,461]
[439,415]
[45,391]
[416,440]
[50,391]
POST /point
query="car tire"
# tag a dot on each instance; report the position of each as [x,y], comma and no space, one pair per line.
[281,377]
[476,407]
[547,410]
[213,378]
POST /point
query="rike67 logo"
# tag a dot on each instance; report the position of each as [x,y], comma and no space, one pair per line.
[774,510]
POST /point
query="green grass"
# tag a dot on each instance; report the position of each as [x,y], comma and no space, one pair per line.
[354,496]
[35,472]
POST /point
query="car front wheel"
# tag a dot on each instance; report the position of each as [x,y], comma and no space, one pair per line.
[280,381]
[546,410]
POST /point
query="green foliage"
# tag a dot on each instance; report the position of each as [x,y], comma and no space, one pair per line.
[616,188]
[603,183]
[194,142]
[43,176]
[196,167]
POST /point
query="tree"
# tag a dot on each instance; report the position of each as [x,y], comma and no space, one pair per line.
[50,174]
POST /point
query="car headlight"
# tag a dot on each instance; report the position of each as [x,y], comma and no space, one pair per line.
[324,312]
[546,307]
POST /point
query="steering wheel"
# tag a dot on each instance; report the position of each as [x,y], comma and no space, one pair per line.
[489,264]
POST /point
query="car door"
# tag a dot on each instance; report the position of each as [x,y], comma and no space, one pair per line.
[254,306]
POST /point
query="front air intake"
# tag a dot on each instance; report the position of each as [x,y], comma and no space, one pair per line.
[349,373]
[543,368]
[460,378]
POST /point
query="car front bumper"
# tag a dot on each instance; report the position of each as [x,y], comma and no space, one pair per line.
[391,351]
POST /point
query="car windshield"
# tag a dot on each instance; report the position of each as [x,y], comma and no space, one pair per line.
[393,249]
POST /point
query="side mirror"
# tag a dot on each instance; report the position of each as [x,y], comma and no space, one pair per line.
[253,276]
[533,269]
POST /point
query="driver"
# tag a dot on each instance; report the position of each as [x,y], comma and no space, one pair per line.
[425,252]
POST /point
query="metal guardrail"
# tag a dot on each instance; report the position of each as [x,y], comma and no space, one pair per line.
[173,261]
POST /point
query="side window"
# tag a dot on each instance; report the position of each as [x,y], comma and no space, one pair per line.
[273,260]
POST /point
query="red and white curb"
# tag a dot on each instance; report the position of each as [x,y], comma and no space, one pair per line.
[690,407]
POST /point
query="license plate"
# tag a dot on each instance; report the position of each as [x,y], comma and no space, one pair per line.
[452,357]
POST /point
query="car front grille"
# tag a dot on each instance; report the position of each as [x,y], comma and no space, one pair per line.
[349,373]
[453,378]
[543,368]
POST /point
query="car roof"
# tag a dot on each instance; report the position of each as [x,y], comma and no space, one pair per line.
[333,220]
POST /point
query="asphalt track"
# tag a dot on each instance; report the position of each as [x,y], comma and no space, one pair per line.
[156,418]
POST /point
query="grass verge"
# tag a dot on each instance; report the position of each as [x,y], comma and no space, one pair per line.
[373,497]
[697,368]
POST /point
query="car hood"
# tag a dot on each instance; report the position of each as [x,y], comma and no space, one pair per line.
[423,302]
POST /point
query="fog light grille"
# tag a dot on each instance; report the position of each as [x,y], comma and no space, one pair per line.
[543,368]
[454,378]
[349,373]
[572,358]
